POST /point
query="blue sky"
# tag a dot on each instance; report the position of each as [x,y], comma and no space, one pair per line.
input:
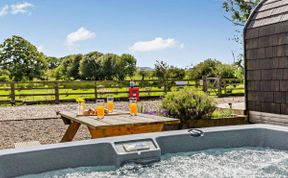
[180,32]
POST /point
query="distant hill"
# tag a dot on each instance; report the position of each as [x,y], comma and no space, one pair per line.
[144,68]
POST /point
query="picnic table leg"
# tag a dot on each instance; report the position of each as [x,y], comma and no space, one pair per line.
[70,132]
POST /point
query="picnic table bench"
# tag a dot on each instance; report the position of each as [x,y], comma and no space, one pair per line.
[117,123]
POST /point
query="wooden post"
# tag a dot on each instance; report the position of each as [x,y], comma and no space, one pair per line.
[57,100]
[165,86]
[12,93]
[219,86]
[196,83]
[204,79]
[95,90]
[224,86]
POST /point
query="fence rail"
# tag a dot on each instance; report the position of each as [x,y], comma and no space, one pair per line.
[66,91]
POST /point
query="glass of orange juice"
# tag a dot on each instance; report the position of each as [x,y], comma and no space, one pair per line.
[100,108]
[110,104]
[133,106]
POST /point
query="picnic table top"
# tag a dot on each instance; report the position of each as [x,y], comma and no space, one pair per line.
[118,118]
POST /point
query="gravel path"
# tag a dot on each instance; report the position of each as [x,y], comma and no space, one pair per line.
[44,131]
[17,124]
[49,111]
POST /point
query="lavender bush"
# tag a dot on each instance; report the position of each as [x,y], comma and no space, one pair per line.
[189,104]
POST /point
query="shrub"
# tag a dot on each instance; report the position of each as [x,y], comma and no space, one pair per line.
[189,104]
[220,113]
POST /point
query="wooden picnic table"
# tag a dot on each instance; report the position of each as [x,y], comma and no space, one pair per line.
[118,123]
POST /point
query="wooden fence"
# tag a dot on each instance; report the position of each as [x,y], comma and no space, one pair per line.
[66,91]
[223,87]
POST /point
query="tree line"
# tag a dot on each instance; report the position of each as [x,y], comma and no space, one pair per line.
[95,66]
[21,61]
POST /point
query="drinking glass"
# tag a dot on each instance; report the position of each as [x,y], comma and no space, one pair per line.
[110,104]
[100,108]
[133,106]
[81,107]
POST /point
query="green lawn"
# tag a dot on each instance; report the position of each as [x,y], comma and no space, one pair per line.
[72,90]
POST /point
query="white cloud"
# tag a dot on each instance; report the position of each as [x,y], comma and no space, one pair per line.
[155,45]
[4,10]
[21,8]
[81,34]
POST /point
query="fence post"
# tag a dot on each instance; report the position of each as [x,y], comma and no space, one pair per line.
[224,86]
[219,86]
[12,93]
[57,100]
[204,79]
[165,86]
[197,83]
[95,90]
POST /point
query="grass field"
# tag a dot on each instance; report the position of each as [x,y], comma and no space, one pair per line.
[45,91]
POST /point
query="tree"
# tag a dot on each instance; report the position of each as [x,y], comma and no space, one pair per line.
[94,55]
[162,72]
[146,73]
[57,73]
[213,68]
[205,68]
[176,73]
[53,62]
[70,66]
[239,62]
[108,66]
[73,68]
[239,73]
[239,10]
[126,66]
[143,74]
[168,74]
[225,70]
[90,68]
[21,59]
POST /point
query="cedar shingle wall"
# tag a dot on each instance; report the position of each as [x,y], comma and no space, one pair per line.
[267,61]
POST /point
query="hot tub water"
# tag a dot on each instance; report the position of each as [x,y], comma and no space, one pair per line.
[235,162]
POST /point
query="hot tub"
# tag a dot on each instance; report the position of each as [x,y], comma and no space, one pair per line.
[141,148]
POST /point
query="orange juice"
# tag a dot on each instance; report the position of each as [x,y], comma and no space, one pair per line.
[100,112]
[110,106]
[133,109]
